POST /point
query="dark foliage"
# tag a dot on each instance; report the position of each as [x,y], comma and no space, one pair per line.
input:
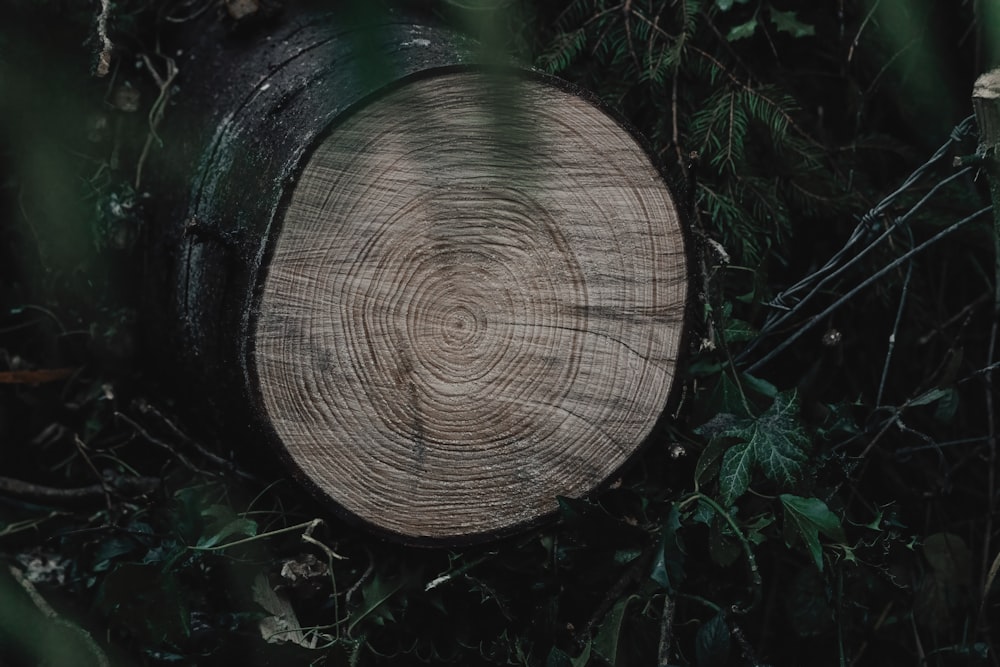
[826,495]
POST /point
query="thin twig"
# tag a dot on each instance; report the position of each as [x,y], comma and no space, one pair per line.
[307,525]
[861,29]
[162,445]
[104,57]
[459,571]
[361,580]
[156,112]
[82,448]
[224,464]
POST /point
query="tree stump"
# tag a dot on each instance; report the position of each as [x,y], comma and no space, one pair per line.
[447,296]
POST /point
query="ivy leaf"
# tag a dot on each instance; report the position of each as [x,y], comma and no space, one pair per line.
[712,644]
[789,22]
[734,476]
[668,566]
[606,641]
[762,387]
[773,443]
[227,525]
[734,330]
[928,397]
[559,658]
[708,463]
[722,544]
[807,518]
[947,407]
[778,440]
[742,31]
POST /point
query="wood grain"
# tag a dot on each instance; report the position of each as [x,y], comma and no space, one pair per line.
[474,305]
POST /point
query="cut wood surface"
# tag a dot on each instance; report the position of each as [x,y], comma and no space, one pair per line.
[473,305]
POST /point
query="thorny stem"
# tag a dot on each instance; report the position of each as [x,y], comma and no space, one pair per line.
[832,271]
[865,283]
[895,329]
[994,169]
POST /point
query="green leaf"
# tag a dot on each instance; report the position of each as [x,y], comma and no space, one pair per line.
[668,566]
[928,397]
[779,441]
[807,518]
[742,31]
[720,425]
[775,443]
[559,658]
[737,331]
[788,22]
[723,546]
[726,397]
[608,634]
[807,605]
[947,407]
[375,594]
[239,526]
[712,644]
[708,463]
[726,5]
[762,387]
[734,475]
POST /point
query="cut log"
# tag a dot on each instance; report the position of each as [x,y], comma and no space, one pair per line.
[447,299]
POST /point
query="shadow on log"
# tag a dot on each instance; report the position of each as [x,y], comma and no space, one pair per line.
[446,293]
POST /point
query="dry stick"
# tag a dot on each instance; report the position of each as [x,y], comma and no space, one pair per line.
[126,486]
[666,632]
[926,338]
[986,103]
[104,58]
[82,448]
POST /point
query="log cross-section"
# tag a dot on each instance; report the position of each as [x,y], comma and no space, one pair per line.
[473,307]
[446,294]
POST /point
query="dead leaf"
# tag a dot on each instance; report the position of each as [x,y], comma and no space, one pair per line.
[282,626]
[239,9]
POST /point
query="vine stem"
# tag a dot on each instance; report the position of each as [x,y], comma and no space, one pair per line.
[755,579]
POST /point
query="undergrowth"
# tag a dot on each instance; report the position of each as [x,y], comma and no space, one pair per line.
[824,495]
